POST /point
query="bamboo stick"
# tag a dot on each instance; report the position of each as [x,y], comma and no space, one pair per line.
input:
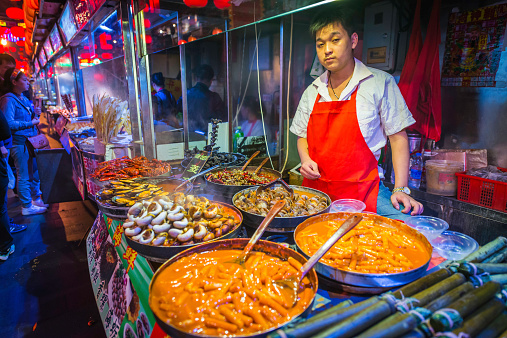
[481,318]
[359,322]
[450,297]
[487,250]
[416,333]
[464,306]
[498,257]
[492,268]
[502,279]
[439,289]
[422,283]
[495,328]
[393,326]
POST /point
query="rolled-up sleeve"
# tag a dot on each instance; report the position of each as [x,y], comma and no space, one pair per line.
[8,107]
[300,122]
[394,113]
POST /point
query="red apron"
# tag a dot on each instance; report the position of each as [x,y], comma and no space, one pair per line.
[347,166]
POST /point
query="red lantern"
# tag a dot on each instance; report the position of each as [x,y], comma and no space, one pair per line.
[196,3]
[12,49]
[147,23]
[20,43]
[17,31]
[107,55]
[216,31]
[3,30]
[15,13]
[181,42]
[222,4]
[191,38]
[148,39]
[1,49]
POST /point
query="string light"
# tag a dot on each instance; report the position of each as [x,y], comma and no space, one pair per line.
[4,42]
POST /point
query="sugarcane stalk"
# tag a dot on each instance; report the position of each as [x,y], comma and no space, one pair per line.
[499,268]
[439,289]
[455,312]
[481,318]
[498,257]
[495,328]
[450,297]
[392,326]
[323,319]
[422,283]
[502,279]
[487,250]
[359,322]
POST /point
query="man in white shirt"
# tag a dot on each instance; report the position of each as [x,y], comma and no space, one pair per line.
[343,120]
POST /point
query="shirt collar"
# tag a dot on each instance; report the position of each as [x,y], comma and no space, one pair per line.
[361,72]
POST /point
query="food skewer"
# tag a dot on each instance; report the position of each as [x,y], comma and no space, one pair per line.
[260,230]
[250,160]
[261,165]
[293,282]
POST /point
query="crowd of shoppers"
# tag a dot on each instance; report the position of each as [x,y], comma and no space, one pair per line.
[18,122]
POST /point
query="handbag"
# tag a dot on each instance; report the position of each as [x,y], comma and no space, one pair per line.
[39,141]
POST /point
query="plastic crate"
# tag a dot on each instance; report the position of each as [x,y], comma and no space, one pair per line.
[482,191]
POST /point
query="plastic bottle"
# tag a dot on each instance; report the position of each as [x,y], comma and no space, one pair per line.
[426,156]
[237,134]
[415,174]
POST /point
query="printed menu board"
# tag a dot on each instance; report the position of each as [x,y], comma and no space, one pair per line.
[42,58]
[67,23]
[54,36]
[36,66]
[48,49]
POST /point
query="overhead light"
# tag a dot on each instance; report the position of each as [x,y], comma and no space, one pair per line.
[114,41]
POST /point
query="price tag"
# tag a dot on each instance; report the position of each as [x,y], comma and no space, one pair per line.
[60,124]
[196,165]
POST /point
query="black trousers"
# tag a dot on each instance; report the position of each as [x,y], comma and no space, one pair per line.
[5,234]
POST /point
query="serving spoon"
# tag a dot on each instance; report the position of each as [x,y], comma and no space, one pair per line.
[250,160]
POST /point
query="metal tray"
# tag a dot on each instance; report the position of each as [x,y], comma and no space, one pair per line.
[161,254]
[280,224]
[388,280]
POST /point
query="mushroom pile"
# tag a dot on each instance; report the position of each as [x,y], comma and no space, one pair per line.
[178,220]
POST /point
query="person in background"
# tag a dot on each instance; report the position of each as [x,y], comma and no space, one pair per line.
[6,245]
[252,126]
[203,104]
[22,122]
[6,62]
[344,119]
[164,103]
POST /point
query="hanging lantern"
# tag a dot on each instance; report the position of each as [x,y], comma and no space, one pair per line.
[216,31]
[222,4]
[3,30]
[148,39]
[15,13]
[17,31]
[20,43]
[196,3]
[1,49]
[12,49]
[181,42]
[33,4]
[147,23]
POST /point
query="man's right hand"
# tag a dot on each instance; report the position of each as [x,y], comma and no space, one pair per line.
[310,170]
[35,121]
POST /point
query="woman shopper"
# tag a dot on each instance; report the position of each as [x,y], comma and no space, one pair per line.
[22,122]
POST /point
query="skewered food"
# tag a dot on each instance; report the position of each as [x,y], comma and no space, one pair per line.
[124,193]
[239,177]
[126,168]
[110,115]
[301,204]
[371,247]
[208,293]
[178,220]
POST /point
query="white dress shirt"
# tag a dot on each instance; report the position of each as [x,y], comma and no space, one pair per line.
[381,109]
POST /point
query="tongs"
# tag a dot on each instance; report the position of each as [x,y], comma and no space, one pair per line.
[277,181]
[294,281]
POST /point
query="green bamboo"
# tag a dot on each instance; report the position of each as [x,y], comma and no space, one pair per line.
[392,326]
[416,333]
[481,318]
[487,250]
[450,297]
[467,304]
[498,257]
[422,283]
[324,319]
[439,289]
[498,268]
[359,322]
[502,279]
[495,327]
[469,269]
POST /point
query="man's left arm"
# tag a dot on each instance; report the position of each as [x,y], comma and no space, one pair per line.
[401,158]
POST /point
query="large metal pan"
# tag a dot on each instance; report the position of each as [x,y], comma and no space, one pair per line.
[367,279]
[120,213]
[270,248]
[161,254]
[226,192]
[280,224]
